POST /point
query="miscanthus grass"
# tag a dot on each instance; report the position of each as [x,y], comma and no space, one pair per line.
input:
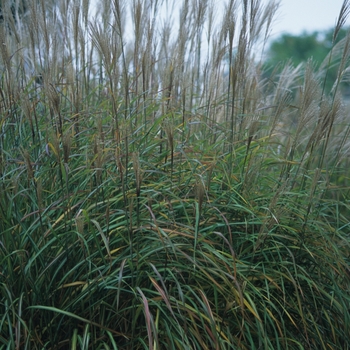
[156,191]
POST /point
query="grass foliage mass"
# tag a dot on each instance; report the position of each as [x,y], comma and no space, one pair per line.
[157,191]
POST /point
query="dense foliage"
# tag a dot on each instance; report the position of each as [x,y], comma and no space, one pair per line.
[299,48]
[154,196]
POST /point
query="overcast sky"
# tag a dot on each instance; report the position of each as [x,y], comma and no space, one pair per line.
[295,16]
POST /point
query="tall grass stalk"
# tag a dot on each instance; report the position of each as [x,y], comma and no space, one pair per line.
[156,191]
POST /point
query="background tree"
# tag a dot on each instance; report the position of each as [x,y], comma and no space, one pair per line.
[299,48]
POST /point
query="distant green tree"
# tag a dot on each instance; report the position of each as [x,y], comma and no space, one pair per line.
[299,48]
[296,48]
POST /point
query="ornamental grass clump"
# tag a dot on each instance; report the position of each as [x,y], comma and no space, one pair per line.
[156,190]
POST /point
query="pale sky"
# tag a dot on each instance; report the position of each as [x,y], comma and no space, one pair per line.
[295,16]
